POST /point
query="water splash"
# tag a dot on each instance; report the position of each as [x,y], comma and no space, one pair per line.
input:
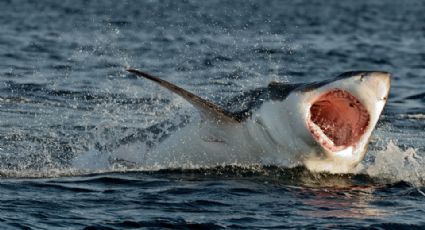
[395,164]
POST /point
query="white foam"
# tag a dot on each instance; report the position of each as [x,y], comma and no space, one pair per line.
[91,160]
[395,164]
[416,116]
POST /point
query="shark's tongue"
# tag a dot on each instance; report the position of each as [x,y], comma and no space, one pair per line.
[341,117]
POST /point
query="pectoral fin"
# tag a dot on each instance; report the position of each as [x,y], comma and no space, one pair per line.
[208,109]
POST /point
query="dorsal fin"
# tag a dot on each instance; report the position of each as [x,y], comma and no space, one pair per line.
[207,108]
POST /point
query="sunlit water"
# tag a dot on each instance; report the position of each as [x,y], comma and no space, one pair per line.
[64,94]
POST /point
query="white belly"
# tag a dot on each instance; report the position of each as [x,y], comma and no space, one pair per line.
[259,140]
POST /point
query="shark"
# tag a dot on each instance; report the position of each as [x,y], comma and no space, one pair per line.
[323,125]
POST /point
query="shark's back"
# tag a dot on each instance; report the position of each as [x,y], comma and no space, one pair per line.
[243,105]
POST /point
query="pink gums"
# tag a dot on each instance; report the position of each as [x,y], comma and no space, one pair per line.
[341,118]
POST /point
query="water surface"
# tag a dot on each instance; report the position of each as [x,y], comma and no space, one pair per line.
[64,93]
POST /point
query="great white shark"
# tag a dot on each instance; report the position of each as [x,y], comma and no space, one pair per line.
[324,125]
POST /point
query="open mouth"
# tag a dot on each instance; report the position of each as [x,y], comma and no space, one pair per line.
[337,120]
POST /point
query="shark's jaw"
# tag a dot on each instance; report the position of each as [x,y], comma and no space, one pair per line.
[337,120]
[340,117]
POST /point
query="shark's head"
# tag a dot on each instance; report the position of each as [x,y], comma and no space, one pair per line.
[340,115]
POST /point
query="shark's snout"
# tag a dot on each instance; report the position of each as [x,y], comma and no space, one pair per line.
[380,81]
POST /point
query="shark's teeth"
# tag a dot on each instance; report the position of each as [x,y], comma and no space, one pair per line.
[337,120]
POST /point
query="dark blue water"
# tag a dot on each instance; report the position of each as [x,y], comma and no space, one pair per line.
[64,93]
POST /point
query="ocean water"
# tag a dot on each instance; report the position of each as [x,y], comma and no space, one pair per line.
[64,94]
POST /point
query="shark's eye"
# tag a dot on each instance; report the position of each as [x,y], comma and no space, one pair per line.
[339,118]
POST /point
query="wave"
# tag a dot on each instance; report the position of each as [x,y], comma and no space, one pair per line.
[396,164]
[391,165]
